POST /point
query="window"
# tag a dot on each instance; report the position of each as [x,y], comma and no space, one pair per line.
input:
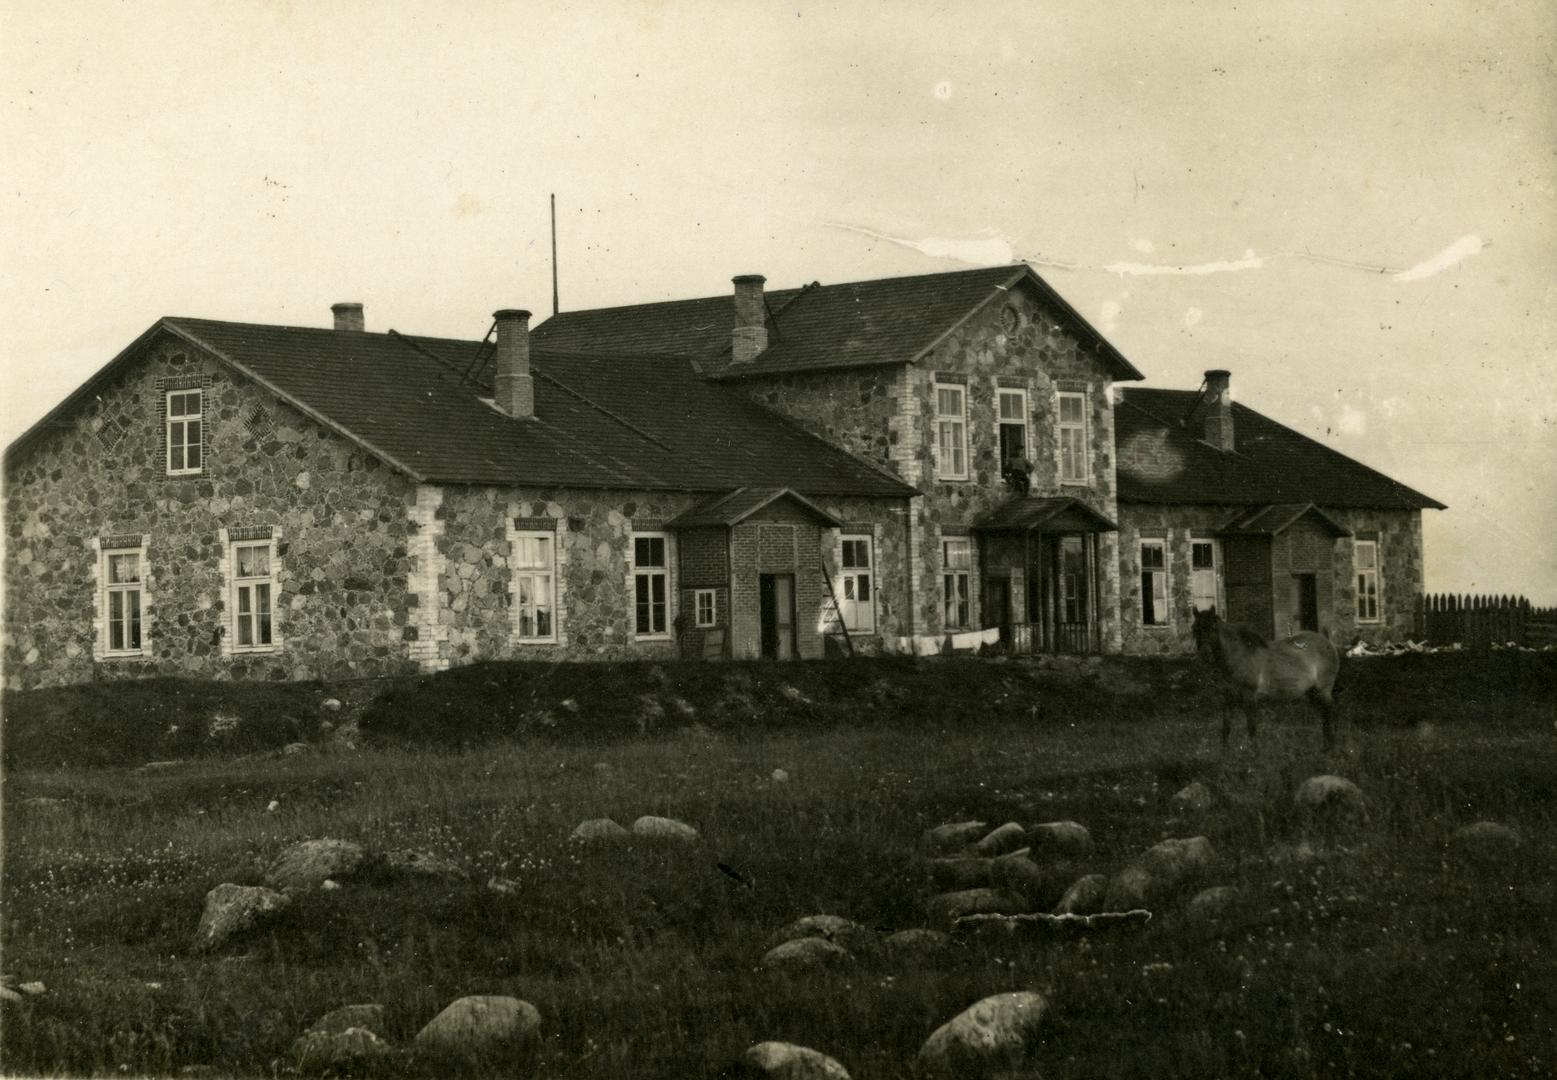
[1013,427]
[1073,439]
[951,432]
[651,585]
[183,431]
[956,562]
[1154,583]
[703,601]
[535,576]
[122,602]
[1202,574]
[1073,581]
[1366,555]
[253,586]
[859,600]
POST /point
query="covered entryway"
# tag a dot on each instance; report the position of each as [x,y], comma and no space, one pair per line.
[1280,567]
[1041,561]
[776,614]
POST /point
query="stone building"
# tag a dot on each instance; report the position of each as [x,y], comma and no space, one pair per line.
[888,463]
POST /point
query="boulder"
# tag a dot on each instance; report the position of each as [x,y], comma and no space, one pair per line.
[308,863]
[803,953]
[664,828]
[786,1061]
[418,863]
[1128,889]
[1331,802]
[231,909]
[1485,840]
[1008,837]
[960,872]
[330,704]
[484,1027]
[1213,904]
[843,932]
[1172,862]
[948,907]
[1021,875]
[317,1053]
[1195,798]
[917,944]
[600,828]
[1084,897]
[779,776]
[1064,838]
[957,834]
[992,1035]
[292,749]
[9,996]
[369,1017]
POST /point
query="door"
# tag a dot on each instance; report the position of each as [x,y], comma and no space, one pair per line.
[997,606]
[776,603]
[1073,628]
[1307,602]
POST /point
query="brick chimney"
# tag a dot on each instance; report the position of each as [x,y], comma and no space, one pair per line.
[751,319]
[1219,417]
[513,386]
[347,316]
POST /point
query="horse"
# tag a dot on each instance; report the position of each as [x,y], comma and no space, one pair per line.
[1303,665]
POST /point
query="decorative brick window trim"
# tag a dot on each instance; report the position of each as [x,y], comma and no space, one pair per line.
[535,524]
[101,549]
[255,535]
[555,534]
[648,524]
[183,382]
[122,542]
[956,530]
[1011,382]
[952,377]
[858,527]
[1073,386]
[250,532]
[169,384]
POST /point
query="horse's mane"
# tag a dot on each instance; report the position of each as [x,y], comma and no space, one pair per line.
[1246,636]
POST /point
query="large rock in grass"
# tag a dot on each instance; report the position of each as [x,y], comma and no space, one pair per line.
[370,1017]
[954,835]
[949,907]
[1173,862]
[1084,897]
[1067,839]
[971,871]
[1331,803]
[410,862]
[1214,904]
[786,1061]
[1131,888]
[994,1035]
[1195,798]
[1008,837]
[843,932]
[1485,841]
[354,1049]
[917,944]
[231,909]
[664,828]
[310,863]
[597,829]
[804,954]
[491,1029]
[1021,875]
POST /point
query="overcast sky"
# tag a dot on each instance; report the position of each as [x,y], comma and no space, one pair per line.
[1353,210]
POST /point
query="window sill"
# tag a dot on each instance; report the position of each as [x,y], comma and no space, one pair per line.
[651,637]
[1157,626]
[139,655]
[249,650]
[185,473]
[535,641]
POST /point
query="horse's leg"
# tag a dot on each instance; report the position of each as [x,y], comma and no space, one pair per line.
[1227,723]
[1324,701]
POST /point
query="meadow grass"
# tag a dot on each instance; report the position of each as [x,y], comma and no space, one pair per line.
[1384,954]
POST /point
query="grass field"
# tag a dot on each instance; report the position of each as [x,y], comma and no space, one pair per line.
[1386,954]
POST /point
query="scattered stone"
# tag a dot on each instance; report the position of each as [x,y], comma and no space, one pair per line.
[331,704]
[33,989]
[9,995]
[338,1020]
[329,885]
[308,863]
[780,776]
[1049,926]
[421,863]
[664,828]
[222,725]
[955,835]
[961,872]
[272,806]
[994,1034]
[506,886]
[334,1052]
[1196,798]
[917,943]
[1067,838]
[786,1061]
[570,706]
[1007,838]
[1172,862]
[292,749]
[1128,889]
[231,909]
[601,828]
[948,907]
[803,953]
[603,769]
[487,1027]
[843,932]
[1331,802]
[1084,897]
[1211,905]
[1020,874]
[1485,839]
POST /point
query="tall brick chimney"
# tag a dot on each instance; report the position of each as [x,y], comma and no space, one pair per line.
[751,319]
[1219,416]
[347,316]
[513,386]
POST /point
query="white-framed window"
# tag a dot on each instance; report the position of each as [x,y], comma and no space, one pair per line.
[1366,559]
[956,568]
[122,574]
[857,581]
[704,607]
[1154,583]
[951,431]
[1072,429]
[254,569]
[1203,588]
[535,586]
[651,585]
[183,434]
[1011,419]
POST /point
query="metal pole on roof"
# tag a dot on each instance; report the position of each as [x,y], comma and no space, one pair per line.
[554,306]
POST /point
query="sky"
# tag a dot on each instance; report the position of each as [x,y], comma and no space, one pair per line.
[1351,207]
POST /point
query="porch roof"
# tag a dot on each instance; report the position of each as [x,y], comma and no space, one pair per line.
[1050,514]
[734,507]
[1273,519]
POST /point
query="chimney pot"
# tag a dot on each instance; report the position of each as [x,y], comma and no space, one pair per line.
[348,316]
[513,386]
[1219,418]
[750,336]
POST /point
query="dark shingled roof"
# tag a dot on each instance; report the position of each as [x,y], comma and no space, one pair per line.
[600,422]
[1270,463]
[854,324]
[1275,518]
[736,506]
[1053,513]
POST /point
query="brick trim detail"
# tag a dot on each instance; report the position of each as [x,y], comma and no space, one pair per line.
[428,631]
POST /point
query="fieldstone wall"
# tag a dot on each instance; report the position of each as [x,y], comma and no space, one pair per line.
[343,535]
[1401,573]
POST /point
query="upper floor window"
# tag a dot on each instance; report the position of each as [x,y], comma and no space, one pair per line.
[184,431]
[253,588]
[1012,418]
[1202,574]
[535,575]
[121,577]
[956,567]
[651,585]
[1073,439]
[1154,583]
[858,604]
[1366,558]
[951,431]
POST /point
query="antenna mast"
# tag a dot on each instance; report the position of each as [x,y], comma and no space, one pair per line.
[554,305]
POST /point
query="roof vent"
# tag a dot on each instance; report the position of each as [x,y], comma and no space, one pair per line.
[348,316]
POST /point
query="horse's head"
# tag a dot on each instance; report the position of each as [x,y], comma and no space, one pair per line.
[1205,628]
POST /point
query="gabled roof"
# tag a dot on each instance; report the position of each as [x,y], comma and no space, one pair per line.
[818,327]
[1277,518]
[1270,463]
[736,506]
[600,422]
[1053,513]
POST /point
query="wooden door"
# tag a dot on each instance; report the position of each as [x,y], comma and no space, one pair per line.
[776,604]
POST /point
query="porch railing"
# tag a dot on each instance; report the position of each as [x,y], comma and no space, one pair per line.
[1064,638]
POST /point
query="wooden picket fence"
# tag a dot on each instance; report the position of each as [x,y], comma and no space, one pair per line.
[1479,622]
